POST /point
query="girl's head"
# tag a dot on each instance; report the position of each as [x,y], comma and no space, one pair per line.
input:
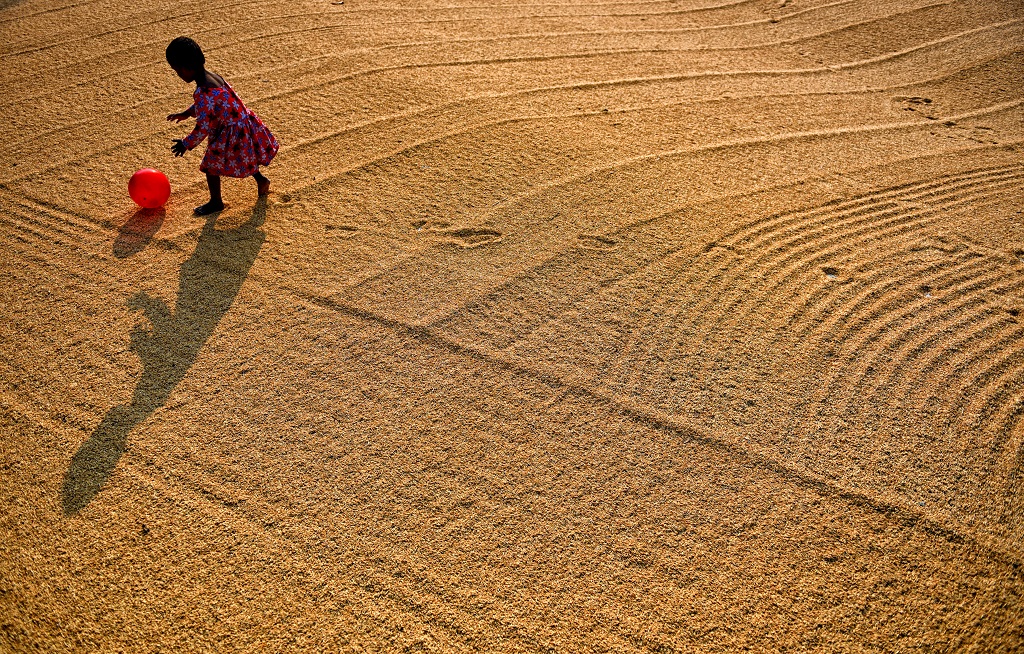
[186,58]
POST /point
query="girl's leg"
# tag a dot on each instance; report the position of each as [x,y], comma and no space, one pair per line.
[215,203]
[262,183]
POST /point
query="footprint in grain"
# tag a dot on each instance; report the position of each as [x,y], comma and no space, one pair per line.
[472,237]
[341,230]
[597,242]
[916,104]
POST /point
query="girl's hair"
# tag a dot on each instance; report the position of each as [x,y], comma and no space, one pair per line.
[183,52]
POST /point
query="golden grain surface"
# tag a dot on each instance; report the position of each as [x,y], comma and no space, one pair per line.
[639,326]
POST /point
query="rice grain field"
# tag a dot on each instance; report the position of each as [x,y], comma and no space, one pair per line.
[639,326]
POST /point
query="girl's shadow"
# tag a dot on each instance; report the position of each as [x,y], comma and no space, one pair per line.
[209,282]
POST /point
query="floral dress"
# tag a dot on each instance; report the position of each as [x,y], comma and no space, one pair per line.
[239,142]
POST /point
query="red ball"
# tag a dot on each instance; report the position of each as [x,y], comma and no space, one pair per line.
[149,188]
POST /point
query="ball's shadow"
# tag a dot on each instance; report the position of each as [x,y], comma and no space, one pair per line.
[136,233]
[209,282]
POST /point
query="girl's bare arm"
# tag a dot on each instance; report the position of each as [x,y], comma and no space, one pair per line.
[188,113]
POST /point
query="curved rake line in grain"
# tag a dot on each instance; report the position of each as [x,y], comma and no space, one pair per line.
[874,284]
[638,80]
[321,138]
[811,313]
[643,340]
[672,252]
[883,58]
[910,351]
[893,509]
[781,218]
[59,261]
[872,287]
[969,297]
[874,303]
[365,50]
[675,12]
[207,10]
[878,282]
[971,344]
[978,366]
[895,340]
[67,126]
[854,213]
[797,250]
[668,154]
[788,272]
[724,5]
[148,44]
[853,207]
[987,387]
[994,392]
[707,333]
[61,230]
[675,210]
[977,330]
[121,20]
[766,227]
[510,94]
[704,303]
[48,11]
[1006,459]
[79,222]
[123,70]
[863,222]
[966,299]
[994,175]
[941,359]
[837,330]
[543,16]
[40,205]
[687,30]
[368,72]
[376,24]
[897,309]
[673,153]
[765,230]
[482,39]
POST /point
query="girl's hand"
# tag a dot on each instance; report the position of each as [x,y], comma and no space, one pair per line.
[178,148]
[179,117]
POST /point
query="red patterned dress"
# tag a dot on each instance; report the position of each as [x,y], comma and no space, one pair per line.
[239,142]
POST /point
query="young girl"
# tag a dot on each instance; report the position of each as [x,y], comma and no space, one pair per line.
[239,143]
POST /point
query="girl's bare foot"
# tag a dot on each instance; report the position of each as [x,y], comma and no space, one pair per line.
[263,187]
